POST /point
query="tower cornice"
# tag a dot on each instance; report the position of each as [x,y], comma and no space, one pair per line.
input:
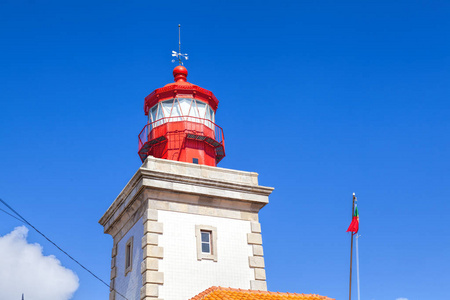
[181,182]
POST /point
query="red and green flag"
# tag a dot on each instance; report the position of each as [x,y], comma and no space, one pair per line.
[354,225]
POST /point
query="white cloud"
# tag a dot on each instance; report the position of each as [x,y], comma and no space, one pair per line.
[24,269]
[401,299]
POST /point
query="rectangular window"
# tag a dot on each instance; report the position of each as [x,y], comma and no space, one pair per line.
[206,242]
[195,160]
[129,255]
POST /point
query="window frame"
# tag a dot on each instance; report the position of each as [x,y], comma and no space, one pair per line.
[129,256]
[156,119]
[212,242]
[208,234]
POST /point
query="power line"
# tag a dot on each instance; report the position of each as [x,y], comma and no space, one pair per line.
[22,219]
[11,215]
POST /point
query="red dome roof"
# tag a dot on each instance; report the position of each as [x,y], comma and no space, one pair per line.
[180,86]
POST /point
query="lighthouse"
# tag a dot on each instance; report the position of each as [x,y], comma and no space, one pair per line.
[181,224]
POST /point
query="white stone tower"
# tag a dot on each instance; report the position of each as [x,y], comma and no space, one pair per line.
[181,227]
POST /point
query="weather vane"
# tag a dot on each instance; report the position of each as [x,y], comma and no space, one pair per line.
[179,54]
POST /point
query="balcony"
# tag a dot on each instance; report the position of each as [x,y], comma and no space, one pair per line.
[194,128]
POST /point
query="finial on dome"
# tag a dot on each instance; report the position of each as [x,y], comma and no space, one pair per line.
[180,74]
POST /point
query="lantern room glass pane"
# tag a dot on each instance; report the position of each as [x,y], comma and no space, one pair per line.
[212,114]
[193,112]
[185,104]
[208,114]
[167,107]
[176,112]
[153,113]
[159,114]
[201,109]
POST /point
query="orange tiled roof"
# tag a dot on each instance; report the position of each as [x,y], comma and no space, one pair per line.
[221,293]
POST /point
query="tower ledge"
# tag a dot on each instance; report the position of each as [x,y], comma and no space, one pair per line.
[202,189]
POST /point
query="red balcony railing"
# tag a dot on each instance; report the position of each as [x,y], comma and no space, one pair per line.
[193,127]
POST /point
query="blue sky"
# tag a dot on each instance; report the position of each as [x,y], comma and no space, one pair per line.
[321,98]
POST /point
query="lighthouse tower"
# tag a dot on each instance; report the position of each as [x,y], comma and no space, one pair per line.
[181,224]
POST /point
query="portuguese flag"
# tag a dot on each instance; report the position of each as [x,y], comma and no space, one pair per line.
[354,225]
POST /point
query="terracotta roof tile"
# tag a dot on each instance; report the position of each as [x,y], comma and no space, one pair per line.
[221,293]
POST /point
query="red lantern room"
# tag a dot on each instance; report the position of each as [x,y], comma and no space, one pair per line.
[181,123]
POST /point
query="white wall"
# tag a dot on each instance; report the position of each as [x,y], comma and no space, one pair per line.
[130,285]
[184,275]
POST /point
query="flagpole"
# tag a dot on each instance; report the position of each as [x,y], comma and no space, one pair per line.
[351,253]
[357,264]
